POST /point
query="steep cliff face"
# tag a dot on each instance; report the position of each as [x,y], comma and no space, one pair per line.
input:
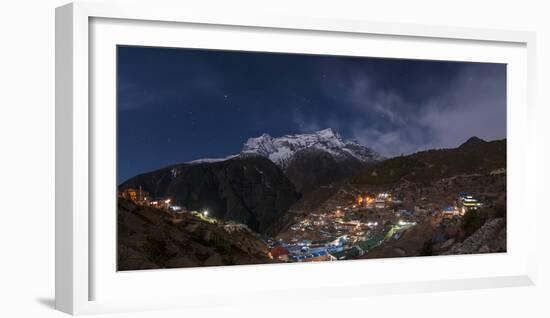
[150,238]
[251,190]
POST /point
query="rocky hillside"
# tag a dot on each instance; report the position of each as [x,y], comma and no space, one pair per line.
[250,190]
[150,238]
[474,156]
[490,238]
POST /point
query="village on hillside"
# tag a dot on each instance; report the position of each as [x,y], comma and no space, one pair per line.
[356,220]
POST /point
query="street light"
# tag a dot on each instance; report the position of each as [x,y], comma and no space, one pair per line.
[205,212]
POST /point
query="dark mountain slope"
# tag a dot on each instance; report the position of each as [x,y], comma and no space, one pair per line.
[311,168]
[474,156]
[250,190]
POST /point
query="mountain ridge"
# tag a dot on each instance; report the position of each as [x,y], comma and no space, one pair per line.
[473,156]
[281,150]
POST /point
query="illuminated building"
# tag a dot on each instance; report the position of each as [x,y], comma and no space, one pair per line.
[468,202]
[136,195]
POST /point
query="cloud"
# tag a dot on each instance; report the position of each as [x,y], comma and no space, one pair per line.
[363,96]
[392,142]
[306,124]
[474,105]
[471,103]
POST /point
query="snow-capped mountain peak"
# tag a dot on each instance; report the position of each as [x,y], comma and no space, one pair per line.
[281,150]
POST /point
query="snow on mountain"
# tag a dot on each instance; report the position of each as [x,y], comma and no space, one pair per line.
[281,150]
[210,160]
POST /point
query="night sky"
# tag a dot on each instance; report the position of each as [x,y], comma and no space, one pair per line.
[178,105]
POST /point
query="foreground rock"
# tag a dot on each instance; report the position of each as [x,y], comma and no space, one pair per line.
[150,238]
[490,238]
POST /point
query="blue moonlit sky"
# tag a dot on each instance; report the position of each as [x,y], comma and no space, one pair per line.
[178,105]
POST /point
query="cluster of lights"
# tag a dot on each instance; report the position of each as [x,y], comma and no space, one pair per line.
[401,223]
[366,200]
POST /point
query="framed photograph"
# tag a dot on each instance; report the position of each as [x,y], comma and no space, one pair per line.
[238,155]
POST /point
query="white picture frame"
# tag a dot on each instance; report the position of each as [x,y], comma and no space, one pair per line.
[86,33]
